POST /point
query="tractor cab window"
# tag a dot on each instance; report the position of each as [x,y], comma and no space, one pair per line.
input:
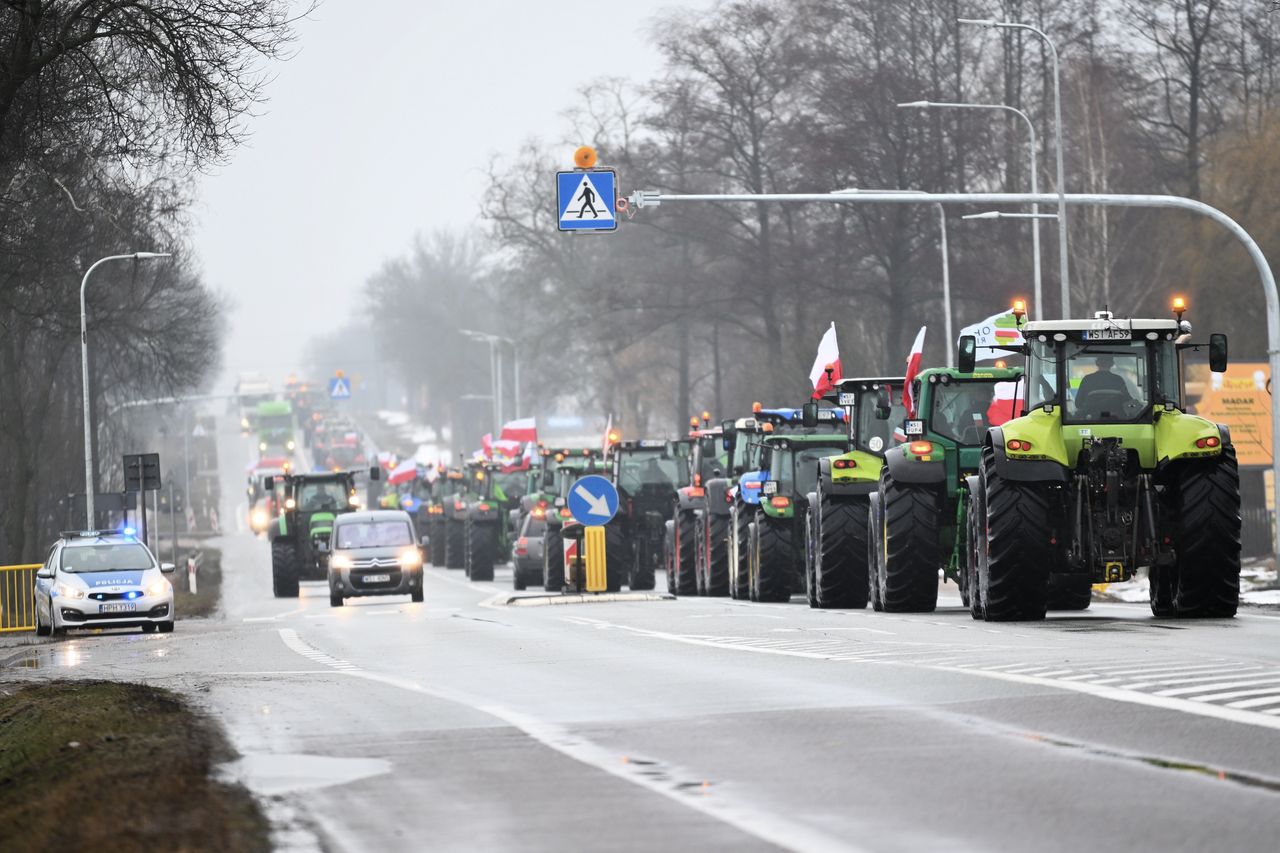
[315,497]
[962,411]
[875,435]
[638,471]
[1106,382]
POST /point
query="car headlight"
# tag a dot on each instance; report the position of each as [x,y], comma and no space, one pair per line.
[160,587]
[411,558]
[69,591]
[340,561]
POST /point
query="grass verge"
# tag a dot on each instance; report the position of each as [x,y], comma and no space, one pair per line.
[110,766]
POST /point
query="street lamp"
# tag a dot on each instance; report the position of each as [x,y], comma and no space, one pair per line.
[88,434]
[991,23]
[946,263]
[1035,180]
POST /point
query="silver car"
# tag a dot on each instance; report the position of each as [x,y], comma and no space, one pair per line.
[102,579]
[374,553]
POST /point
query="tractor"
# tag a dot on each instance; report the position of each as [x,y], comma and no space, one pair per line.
[1104,473]
[919,524]
[300,535]
[835,527]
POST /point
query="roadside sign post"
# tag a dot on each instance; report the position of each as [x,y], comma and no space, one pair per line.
[593,502]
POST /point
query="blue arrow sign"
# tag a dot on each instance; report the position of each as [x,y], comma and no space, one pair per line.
[339,388]
[587,200]
[593,501]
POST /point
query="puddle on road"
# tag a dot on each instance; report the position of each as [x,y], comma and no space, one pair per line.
[269,774]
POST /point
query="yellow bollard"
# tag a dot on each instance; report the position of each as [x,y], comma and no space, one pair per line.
[597,573]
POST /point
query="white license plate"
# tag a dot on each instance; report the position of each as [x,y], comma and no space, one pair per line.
[1108,335]
[117,608]
[377,578]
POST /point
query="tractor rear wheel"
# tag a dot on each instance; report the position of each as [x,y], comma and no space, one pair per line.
[480,551]
[775,560]
[284,569]
[682,555]
[840,554]
[553,560]
[455,544]
[1206,573]
[912,555]
[717,574]
[1013,575]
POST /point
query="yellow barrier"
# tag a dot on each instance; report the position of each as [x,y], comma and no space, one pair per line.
[597,573]
[17,590]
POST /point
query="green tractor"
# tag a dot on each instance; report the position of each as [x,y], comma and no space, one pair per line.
[1105,473]
[300,536]
[836,555]
[776,538]
[917,522]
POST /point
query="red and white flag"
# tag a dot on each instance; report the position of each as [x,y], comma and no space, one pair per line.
[913,367]
[522,429]
[828,356]
[405,472]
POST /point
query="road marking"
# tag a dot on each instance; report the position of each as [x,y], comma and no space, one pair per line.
[717,804]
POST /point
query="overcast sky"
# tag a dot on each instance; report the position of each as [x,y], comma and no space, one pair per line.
[380,127]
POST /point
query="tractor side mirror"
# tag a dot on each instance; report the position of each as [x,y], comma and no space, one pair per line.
[375,473]
[268,484]
[884,407]
[967,353]
[809,415]
[1218,352]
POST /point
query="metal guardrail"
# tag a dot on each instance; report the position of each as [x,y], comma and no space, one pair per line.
[17,597]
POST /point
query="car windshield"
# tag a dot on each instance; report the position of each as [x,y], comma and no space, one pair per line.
[963,410]
[373,534]
[651,468]
[313,497]
[103,557]
[876,435]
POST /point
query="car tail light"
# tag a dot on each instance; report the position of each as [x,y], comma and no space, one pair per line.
[780,502]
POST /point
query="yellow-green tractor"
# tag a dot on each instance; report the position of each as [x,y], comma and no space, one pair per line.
[1106,473]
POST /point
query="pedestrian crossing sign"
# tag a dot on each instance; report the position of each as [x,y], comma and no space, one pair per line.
[587,200]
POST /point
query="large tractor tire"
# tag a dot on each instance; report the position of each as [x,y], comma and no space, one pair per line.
[455,544]
[682,556]
[615,557]
[1013,573]
[284,569]
[775,560]
[1204,580]
[740,574]
[912,555]
[642,571]
[975,549]
[840,554]
[1070,592]
[717,571]
[553,560]
[875,554]
[482,548]
[437,541]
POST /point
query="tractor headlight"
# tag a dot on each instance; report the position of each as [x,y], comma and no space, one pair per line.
[68,591]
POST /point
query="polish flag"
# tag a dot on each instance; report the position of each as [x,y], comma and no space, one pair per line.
[523,429]
[1006,403]
[828,356]
[405,472]
[913,367]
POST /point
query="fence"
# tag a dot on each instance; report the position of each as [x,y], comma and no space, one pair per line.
[17,591]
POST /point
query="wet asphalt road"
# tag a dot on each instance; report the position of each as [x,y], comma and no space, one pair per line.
[466,724]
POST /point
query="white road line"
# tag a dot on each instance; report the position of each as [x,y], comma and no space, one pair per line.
[746,817]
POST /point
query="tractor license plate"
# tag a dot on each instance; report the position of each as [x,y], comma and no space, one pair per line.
[1107,335]
[117,608]
[377,578]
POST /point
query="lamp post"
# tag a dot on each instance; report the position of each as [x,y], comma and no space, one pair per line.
[84,373]
[1038,299]
[946,263]
[991,23]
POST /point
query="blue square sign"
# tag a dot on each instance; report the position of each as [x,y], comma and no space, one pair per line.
[587,200]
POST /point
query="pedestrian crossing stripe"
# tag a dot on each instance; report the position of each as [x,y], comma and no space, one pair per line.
[586,200]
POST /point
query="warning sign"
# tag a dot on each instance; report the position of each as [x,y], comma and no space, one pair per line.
[1239,398]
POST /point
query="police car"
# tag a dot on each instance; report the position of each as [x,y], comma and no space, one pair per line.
[102,579]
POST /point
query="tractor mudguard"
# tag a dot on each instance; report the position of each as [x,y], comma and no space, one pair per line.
[1023,470]
[906,469]
[717,491]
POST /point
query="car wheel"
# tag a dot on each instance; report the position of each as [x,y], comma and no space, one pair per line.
[165,627]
